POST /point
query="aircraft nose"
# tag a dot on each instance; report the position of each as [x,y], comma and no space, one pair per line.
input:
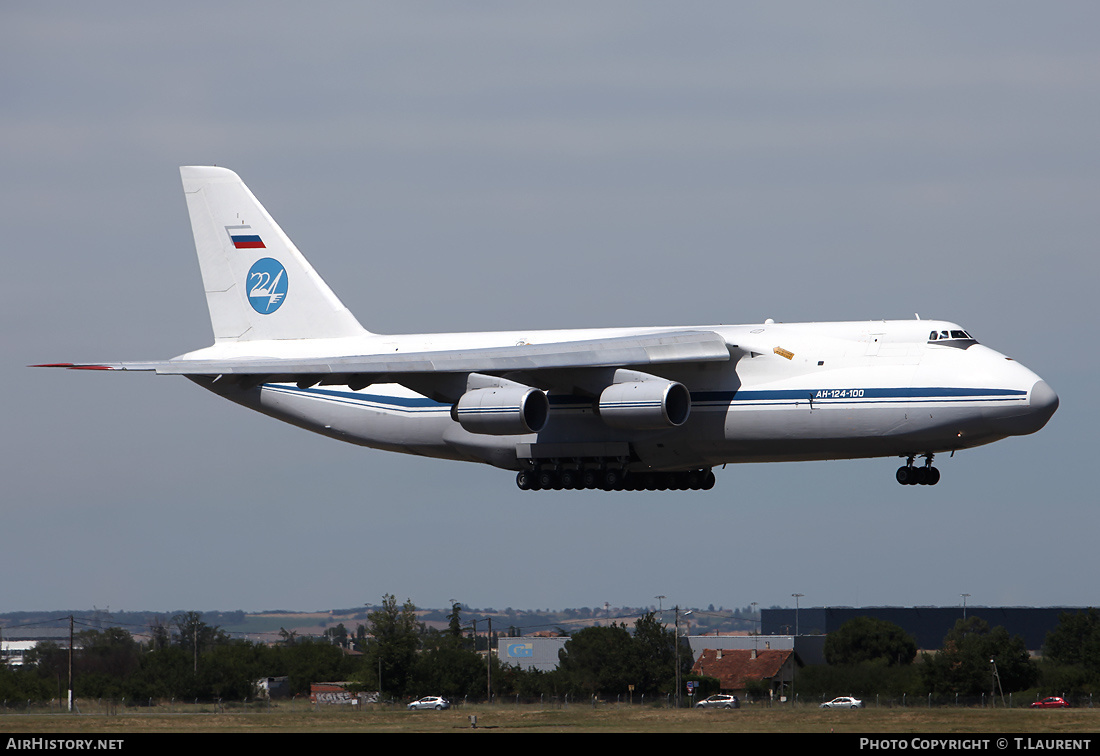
[1042,402]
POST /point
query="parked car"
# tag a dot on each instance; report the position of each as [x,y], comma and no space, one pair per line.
[844,702]
[430,702]
[1053,702]
[720,701]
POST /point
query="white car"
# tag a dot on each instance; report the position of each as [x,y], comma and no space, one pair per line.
[430,702]
[720,701]
[844,702]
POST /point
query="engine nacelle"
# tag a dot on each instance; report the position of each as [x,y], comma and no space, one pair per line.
[645,405]
[502,410]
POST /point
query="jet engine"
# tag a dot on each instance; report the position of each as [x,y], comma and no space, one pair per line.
[645,405]
[502,410]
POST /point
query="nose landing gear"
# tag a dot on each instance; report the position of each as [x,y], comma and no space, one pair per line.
[909,475]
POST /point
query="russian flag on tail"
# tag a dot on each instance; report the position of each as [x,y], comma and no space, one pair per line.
[243,238]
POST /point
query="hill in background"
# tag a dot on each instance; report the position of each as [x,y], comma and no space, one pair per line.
[269,625]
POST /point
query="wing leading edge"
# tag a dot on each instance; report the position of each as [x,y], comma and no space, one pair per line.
[635,350]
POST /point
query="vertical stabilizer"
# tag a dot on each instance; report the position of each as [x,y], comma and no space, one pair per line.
[258,285]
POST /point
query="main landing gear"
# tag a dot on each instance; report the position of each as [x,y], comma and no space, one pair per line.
[909,475]
[550,478]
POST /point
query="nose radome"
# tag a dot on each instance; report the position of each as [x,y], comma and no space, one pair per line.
[1043,403]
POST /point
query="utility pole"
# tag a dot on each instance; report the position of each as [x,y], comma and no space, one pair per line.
[995,683]
[70,663]
[489,662]
[677,656]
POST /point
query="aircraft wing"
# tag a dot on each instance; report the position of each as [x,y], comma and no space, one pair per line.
[636,350]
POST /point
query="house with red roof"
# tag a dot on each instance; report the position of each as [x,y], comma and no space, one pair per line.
[735,669]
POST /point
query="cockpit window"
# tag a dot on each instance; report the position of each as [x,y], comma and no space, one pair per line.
[954,338]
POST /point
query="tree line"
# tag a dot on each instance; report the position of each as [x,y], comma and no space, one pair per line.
[868,656]
[399,657]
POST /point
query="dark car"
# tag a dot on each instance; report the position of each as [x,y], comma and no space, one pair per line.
[1053,702]
[720,701]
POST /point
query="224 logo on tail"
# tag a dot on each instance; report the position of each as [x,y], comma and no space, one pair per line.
[267,285]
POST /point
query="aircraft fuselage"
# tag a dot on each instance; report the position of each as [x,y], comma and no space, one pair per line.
[826,391]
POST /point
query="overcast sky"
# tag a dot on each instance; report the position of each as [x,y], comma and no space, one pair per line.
[491,165]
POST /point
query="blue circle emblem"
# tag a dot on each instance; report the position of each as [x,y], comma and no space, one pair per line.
[267,285]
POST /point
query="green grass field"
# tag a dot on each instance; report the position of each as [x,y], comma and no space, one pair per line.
[574,718]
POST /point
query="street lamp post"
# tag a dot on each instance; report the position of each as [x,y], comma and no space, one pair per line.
[677,633]
[678,682]
[797,596]
[756,632]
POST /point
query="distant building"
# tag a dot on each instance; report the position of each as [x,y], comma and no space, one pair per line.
[810,649]
[735,670]
[14,652]
[18,641]
[539,652]
[927,624]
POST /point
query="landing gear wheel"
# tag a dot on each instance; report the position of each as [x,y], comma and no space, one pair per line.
[524,479]
[547,479]
[926,475]
[568,479]
[611,479]
[590,479]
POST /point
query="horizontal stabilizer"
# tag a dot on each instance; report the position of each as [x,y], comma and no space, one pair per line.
[138,366]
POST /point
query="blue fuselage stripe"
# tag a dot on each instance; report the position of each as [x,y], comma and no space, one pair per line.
[741,397]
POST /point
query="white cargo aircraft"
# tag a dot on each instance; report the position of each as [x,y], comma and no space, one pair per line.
[614,408]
